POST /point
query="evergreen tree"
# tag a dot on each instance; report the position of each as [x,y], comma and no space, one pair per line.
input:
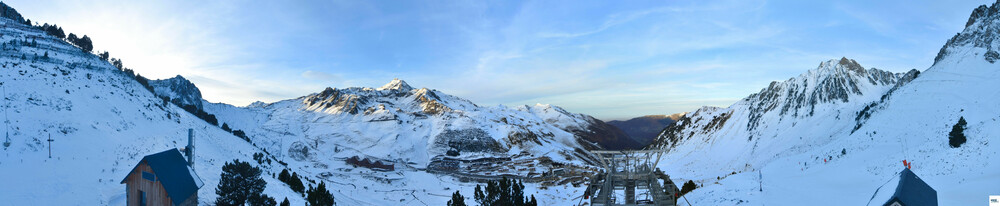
[225,127]
[501,192]
[456,200]
[86,44]
[319,196]
[261,200]
[283,176]
[73,40]
[104,55]
[296,184]
[957,135]
[239,182]
[479,196]
[687,187]
[285,202]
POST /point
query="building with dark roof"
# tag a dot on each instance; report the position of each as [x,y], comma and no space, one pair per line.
[912,191]
[164,178]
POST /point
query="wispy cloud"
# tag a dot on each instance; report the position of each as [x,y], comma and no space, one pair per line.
[609,59]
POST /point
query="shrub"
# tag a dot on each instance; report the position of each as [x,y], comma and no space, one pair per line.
[957,135]
[688,187]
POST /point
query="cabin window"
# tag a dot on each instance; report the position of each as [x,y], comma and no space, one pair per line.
[142,198]
[148,176]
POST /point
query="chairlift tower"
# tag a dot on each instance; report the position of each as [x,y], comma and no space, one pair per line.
[631,178]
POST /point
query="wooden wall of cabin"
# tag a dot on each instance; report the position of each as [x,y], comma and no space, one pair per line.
[191,201]
[155,194]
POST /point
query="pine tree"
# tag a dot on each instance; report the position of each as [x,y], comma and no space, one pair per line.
[285,202]
[261,200]
[239,182]
[86,44]
[319,196]
[296,184]
[456,200]
[479,196]
[226,128]
[502,192]
[957,135]
[283,176]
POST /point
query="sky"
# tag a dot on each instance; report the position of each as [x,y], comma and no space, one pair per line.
[610,59]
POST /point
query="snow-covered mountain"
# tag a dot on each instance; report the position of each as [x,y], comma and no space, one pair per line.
[400,123]
[179,90]
[836,90]
[102,122]
[842,129]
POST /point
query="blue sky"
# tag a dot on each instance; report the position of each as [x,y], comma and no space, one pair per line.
[609,59]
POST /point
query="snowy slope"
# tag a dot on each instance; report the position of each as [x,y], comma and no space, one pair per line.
[102,122]
[854,144]
[399,123]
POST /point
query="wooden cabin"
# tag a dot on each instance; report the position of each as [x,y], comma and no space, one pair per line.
[164,178]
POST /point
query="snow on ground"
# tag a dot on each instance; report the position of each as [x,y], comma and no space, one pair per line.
[913,125]
[102,123]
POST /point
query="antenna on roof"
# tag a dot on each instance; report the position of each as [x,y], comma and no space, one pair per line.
[189,149]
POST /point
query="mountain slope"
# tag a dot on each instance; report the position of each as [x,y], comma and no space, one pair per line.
[644,129]
[102,122]
[775,148]
[399,123]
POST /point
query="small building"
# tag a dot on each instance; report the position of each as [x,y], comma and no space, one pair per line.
[912,191]
[164,178]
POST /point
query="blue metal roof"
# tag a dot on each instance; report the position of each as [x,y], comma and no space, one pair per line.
[173,173]
[912,191]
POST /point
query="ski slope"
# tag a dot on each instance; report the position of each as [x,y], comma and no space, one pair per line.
[845,150]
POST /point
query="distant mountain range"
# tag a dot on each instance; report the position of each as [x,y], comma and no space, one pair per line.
[838,128]
[104,118]
[646,128]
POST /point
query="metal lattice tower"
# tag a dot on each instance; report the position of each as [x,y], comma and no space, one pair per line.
[631,178]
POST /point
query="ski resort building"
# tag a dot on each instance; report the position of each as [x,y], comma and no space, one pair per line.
[164,178]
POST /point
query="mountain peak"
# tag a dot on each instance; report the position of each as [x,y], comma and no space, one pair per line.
[10,13]
[396,84]
[984,13]
[979,32]
[178,89]
[834,65]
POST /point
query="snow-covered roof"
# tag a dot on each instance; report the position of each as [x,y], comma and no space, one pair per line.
[910,190]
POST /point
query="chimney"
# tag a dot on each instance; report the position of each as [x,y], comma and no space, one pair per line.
[189,150]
